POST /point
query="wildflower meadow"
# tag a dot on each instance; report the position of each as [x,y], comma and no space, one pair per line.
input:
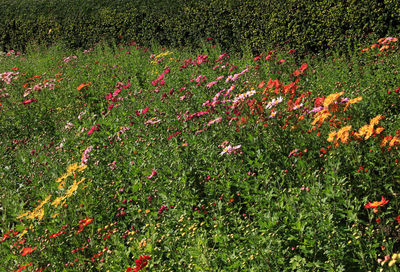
[126,158]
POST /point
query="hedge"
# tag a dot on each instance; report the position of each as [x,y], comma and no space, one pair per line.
[313,25]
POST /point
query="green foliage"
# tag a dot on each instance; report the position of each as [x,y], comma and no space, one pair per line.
[259,25]
[157,179]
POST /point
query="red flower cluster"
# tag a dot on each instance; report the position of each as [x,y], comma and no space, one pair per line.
[27,250]
[83,223]
[140,264]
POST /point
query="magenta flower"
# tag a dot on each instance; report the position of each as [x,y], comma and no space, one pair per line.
[153,173]
[91,130]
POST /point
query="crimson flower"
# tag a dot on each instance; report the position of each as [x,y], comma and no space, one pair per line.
[174,135]
[91,130]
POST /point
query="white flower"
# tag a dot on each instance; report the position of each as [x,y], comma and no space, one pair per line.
[69,125]
[272,114]
[274,102]
[298,106]
[229,149]
[242,96]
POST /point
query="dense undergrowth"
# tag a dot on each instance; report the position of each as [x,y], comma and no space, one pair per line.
[127,159]
[307,26]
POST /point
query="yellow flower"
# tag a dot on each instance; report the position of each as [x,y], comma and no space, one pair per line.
[38,211]
[73,188]
[23,215]
[23,233]
[57,201]
[370,131]
[63,177]
[71,168]
[61,185]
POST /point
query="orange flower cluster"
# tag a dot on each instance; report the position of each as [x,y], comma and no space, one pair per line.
[332,98]
[321,116]
[342,135]
[367,131]
[383,44]
[83,223]
[391,140]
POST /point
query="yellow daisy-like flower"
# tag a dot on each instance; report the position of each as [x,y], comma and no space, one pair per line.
[38,212]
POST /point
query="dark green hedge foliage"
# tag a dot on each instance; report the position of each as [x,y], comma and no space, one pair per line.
[305,25]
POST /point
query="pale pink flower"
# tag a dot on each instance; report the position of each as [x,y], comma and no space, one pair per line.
[217,120]
[209,85]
